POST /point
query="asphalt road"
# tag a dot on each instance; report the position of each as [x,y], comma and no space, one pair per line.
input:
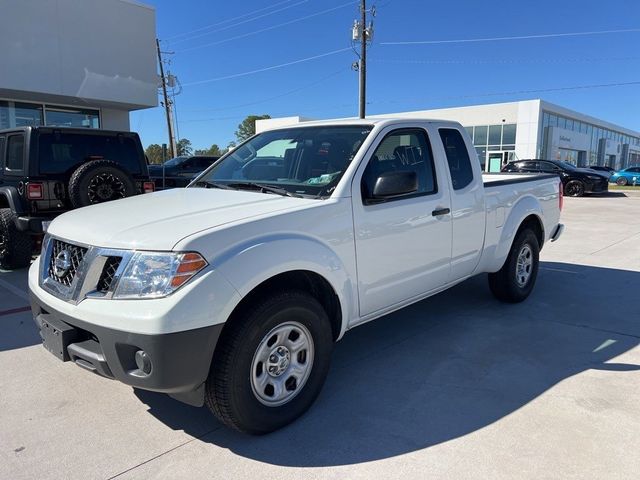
[457,386]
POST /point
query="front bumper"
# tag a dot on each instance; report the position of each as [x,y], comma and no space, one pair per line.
[597,186]
[175,363]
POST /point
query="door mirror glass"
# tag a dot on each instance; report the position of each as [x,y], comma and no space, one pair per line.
[394,184]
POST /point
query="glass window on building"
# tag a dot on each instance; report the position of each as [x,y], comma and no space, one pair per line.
[480,135]
[16,114]
[495,134]
[509,133]
[80,118]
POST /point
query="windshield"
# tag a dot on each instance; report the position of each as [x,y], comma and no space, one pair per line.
[568,165]
[301,160]
[174,161]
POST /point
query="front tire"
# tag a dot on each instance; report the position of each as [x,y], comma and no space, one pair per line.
[621,181]
[270,363]
[574,188]
[15,246]
[515,280]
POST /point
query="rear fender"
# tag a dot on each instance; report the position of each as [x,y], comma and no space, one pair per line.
[524,207]
[249,264]
[10,198]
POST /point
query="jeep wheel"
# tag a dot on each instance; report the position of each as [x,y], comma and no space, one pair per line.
[15,246]
[99,181]
[270,363]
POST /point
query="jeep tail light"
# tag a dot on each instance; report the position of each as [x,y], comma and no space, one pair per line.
[35,191]
[561,196]
[148,187]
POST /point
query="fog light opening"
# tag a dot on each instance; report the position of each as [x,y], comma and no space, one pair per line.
[143,362]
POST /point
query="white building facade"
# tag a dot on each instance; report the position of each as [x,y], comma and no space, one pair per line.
[76,63]
[503,132]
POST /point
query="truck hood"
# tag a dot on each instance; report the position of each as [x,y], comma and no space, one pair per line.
[158,221]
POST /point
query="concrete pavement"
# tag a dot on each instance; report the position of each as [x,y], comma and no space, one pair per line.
[456,386]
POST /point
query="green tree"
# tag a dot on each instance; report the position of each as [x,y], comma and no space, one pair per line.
[247,128]
[154,153]
[184,147]
[214,150]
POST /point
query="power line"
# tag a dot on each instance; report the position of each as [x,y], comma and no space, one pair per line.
[521,37]
[264,100]
[504,61]
[240,23]
[266,29]
[520,92]
[265,69]
[253,12]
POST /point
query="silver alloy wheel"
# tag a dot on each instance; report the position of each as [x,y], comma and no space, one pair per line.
[524,265]
[282,363]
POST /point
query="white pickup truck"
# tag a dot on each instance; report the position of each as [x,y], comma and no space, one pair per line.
[232,292]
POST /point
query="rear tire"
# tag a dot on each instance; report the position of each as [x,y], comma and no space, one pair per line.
[15,246]
[575,188]
[515,280]
[622,181]
[256,386]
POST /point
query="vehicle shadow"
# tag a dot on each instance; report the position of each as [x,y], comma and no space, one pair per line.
[608,194]
[441,369]
[18,328]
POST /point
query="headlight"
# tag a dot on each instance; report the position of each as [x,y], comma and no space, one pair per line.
[157,274]
[595,177]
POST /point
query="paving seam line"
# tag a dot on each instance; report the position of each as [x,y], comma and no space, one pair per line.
[16,291]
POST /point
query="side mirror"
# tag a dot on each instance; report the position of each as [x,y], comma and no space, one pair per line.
[394,184]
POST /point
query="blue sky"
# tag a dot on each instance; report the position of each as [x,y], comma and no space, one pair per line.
[400,77]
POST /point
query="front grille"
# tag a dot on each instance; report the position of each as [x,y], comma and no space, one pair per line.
[108,273]
[64,266]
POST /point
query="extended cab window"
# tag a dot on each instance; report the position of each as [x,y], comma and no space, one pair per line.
[402,150]
[15,152]
[60,152]
[457,157]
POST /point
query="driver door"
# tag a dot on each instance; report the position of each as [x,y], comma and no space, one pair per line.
[403,244]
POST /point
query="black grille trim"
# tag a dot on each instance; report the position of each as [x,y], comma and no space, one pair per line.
[76,256]
[108,274]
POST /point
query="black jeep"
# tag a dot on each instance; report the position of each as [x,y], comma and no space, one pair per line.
[46,171]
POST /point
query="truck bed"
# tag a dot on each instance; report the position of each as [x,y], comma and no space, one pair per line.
[497,179]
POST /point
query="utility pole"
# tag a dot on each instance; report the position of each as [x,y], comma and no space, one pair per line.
[363,33]
[167,105]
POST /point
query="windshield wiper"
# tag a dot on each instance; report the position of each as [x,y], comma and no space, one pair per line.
[264,188]
[209,184]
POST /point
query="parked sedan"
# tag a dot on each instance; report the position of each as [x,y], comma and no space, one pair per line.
[626,176]
[576,181]
[179,171]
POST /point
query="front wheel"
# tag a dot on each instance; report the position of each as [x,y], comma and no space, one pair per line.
[621,181]
[574,188]
[270,364]
[515,280]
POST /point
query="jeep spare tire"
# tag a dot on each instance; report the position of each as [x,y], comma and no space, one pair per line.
[99,181]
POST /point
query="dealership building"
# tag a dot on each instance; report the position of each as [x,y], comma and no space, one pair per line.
[503,132]
[76,63]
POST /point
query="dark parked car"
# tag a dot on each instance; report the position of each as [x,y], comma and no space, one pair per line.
[46,171]
[576,181]
[179,171]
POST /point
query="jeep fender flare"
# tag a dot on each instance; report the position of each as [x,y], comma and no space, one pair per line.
[249,264]
[11,198]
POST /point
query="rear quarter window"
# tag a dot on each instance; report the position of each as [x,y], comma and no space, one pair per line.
[62,152]
[15,153]
[457,157]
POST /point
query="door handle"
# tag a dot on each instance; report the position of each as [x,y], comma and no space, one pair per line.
[440,211]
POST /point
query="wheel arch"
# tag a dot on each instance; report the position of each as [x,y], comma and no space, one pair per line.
[527,212]
[302,280]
